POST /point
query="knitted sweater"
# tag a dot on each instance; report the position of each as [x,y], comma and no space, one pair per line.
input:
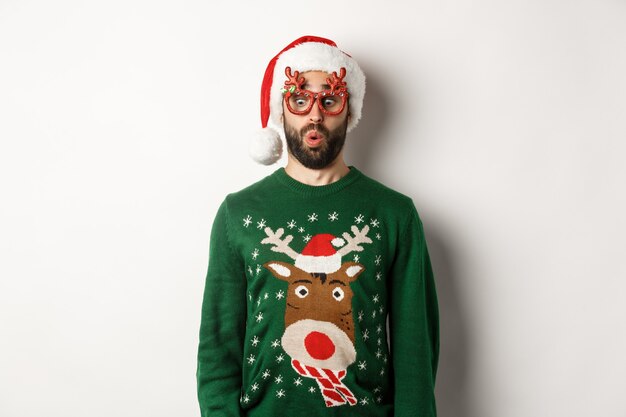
[318,301]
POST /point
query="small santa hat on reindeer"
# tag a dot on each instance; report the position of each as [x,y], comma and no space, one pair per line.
[319,255]
[308,53]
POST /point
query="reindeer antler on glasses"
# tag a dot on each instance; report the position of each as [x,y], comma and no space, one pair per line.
[293,81]
[337,84]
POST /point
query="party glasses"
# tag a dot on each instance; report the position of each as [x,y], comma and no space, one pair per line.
[300,101]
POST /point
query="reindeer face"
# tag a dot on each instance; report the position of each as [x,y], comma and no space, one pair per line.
[319,328]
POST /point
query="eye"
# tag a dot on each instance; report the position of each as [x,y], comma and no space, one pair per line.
[300,102]
[338,294]
[302,291]
[329,102]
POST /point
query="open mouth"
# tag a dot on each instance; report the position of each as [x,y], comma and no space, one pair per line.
[314,138]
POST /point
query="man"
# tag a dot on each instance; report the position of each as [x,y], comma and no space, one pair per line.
[307,264]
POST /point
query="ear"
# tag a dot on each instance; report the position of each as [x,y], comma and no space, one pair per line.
[351,270]
[282,270]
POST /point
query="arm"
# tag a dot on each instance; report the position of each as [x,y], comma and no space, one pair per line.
[222,327]
[414,324]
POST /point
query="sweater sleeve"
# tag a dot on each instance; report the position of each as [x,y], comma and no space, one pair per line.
[414,324]
[222,326]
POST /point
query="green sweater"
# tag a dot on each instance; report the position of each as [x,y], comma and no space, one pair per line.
[301,281]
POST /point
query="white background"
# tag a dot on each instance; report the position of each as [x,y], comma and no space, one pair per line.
[123,125]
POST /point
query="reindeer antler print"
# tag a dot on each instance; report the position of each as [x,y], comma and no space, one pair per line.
[360,236]
[280,245]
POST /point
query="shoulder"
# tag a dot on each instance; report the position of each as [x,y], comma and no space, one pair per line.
[250,195]
[386,194]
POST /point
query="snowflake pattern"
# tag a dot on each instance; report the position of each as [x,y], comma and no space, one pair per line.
[359,219]
[312,217]
[247,221]
[275,343]
[255,253]
[280,393]
[374,223]
[333,216]
[291,224]
[255,341]
[306,238]
[280,295]
[261,224]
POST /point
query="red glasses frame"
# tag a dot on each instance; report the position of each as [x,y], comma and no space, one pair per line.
[293,87]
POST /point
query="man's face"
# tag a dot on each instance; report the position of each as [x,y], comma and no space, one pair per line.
[315,139]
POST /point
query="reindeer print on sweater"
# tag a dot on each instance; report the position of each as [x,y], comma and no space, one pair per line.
[319,326]
[317,330]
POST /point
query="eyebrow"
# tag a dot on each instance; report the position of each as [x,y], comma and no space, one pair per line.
[324,86]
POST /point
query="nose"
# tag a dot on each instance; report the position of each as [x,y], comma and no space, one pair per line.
[316,115]
[319,345]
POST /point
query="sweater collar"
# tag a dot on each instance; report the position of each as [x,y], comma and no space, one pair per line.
[317,190]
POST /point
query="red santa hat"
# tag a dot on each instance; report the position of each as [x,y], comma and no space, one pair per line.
[319,255]
[308,53]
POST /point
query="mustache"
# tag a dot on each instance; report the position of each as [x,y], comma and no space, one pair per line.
[313,126]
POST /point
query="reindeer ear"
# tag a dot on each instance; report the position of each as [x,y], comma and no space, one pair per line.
[352,270]
[280,270]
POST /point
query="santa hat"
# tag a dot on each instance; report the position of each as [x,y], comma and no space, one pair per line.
[319,255]
[308,53]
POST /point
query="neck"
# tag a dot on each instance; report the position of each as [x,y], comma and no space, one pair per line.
[324,176]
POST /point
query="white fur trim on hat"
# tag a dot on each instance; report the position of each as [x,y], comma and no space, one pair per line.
[326,264]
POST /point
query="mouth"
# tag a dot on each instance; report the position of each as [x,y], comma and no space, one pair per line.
[314,138]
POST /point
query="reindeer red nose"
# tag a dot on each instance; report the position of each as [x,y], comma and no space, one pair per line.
[319,345]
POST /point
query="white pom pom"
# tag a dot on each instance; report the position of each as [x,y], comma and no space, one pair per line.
[266,147]
[337,242]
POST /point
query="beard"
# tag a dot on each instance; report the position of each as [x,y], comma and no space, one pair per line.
[321,156]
